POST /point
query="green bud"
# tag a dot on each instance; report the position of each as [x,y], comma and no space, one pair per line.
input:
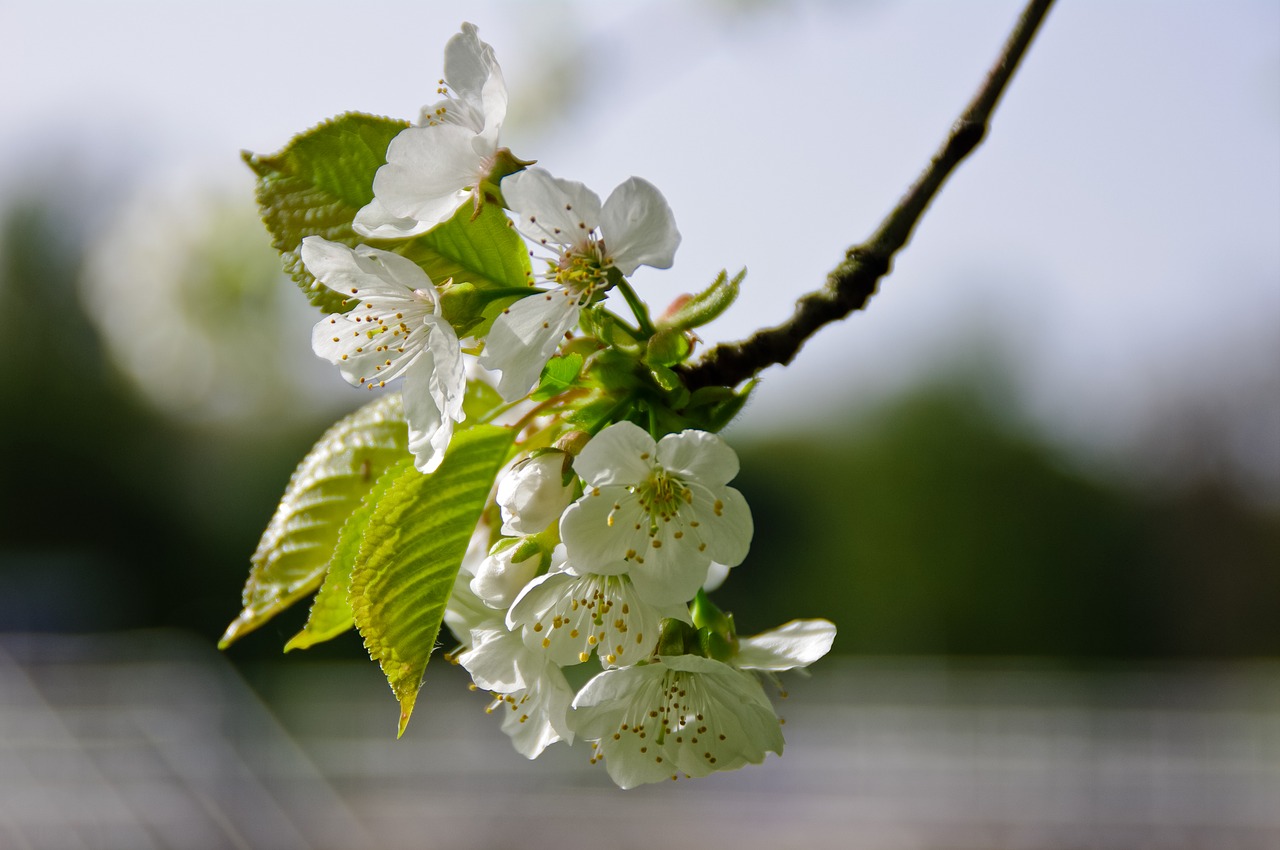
[696,310]
[614,370]
[668,347]
[461,303]
[713,645]
[676,637]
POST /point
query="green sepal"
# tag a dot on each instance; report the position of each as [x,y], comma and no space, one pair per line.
[331,609]
[413,547]
[700,309]
[315,185]
[712,408]
[325,489]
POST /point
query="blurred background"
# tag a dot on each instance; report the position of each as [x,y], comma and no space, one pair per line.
[1036,483]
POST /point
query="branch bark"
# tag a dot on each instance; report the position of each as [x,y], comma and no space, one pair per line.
[851,284]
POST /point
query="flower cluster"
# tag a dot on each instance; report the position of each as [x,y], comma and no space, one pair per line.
[622,592]
[615,515]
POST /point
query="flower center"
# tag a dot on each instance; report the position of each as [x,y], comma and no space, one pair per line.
[661,495]
[582,268]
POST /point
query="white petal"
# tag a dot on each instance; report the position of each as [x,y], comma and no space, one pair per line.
[599,529]
[700,455]
[467,62]
[638,227]
[429,429]
[796,644]
[622,453]
[430,172]
[449,378]
[716,574]
[524,337]
[374,221]
[539,716]
[549,210]
[342,269]
[498,660]
[724,523]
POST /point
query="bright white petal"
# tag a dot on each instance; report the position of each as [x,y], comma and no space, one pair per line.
[374,221]
[600,529]
[538,716]
[550,210]
[524,337]
[716,574]
[638,227]
[429,429]
[699,455]
[724,523]
[622,453]
[498,660]
[449,378]
[796,644]
[430,172]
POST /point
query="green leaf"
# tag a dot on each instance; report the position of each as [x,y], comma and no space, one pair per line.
[331,610]
[413,546]
[326,487]
[699,309]
[483,250]
[315,185]
[558,375]
[480,400]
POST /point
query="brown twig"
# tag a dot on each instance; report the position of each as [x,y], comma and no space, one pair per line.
[852,283]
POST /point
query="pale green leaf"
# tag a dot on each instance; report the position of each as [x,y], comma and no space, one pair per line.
[483,250]
[315,186]
[413,546]
[557,376]
[331,610]
[325,489]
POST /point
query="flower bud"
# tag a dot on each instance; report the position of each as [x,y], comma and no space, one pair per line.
[500,577]
[533,494]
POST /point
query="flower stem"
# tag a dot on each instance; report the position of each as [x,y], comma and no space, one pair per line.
[637,307]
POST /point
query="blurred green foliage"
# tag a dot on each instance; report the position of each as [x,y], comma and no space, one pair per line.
[933,526]
[930,525]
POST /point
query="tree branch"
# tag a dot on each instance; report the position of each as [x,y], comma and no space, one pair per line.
[851,284]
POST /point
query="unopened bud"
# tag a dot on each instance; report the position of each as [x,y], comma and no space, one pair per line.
[500,577]
[534,493]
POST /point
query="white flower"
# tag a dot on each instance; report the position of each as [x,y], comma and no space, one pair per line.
[689,714]
[661,512]
[679,714]
[634,227]
[395,329]
[798,643]
[530,692]
[499,578]
[533,494]
[435,168]
[567,615]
